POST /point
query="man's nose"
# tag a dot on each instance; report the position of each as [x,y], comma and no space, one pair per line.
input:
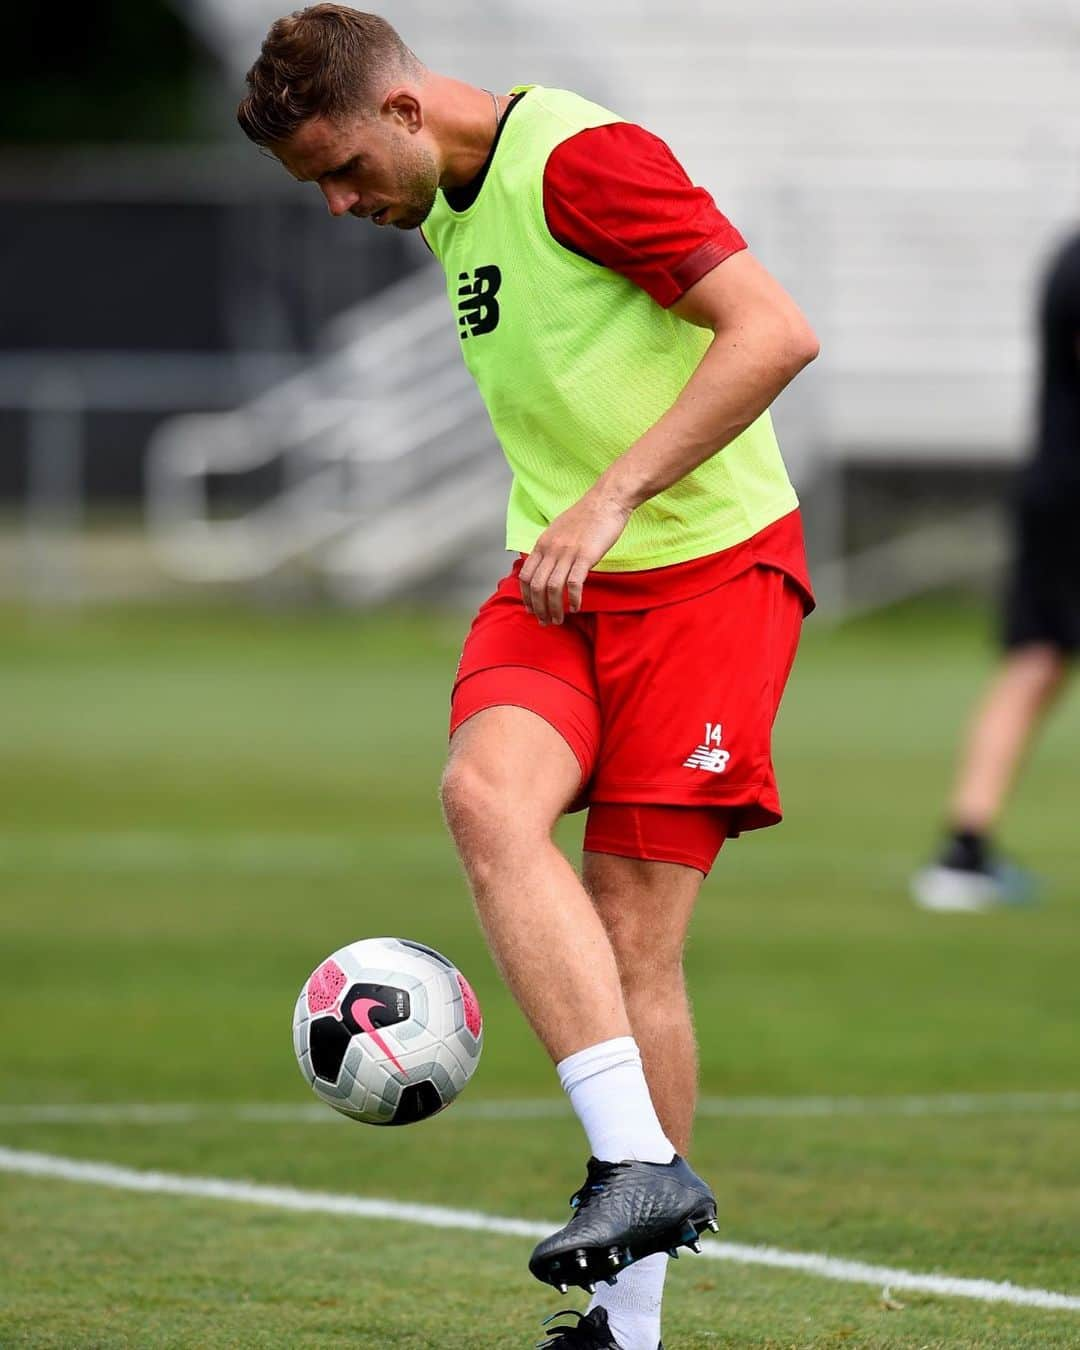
[339,199]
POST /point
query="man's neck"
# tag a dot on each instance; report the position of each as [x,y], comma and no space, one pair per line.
[464,121]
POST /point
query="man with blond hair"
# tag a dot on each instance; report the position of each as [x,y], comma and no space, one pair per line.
[628,347]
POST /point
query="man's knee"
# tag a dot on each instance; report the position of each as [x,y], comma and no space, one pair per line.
[646,954]
[1043,664]
[509,778]
[487,812]
[1054,670]
[644,907]
[473,802]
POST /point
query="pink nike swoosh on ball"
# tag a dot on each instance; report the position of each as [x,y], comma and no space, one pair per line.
[361,1013]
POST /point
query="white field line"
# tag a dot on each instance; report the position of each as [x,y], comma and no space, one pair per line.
[544,1108]
[434,1216]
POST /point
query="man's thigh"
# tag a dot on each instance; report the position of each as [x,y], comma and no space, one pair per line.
[513,764]
[524,698]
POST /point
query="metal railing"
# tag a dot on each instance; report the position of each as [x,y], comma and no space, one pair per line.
[55,392]
[387,464]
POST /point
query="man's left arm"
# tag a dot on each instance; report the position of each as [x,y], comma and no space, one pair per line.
[761,341]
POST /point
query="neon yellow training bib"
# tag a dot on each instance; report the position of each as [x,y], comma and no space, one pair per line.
[574,362]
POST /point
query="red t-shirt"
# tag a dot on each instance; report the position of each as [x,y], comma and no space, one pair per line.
[617,195]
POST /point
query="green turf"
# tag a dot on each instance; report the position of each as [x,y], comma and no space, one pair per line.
[196,806]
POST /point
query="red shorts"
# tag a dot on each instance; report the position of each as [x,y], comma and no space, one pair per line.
[670,706]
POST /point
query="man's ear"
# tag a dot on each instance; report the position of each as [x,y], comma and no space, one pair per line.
[404,104]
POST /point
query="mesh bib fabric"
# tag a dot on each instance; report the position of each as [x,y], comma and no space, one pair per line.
[574,362]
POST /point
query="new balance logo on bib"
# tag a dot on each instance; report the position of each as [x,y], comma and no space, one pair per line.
[478,310]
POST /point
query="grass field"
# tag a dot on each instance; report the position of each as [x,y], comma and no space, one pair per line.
[198,806]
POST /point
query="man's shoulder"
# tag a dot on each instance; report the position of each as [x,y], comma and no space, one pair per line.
[566,106]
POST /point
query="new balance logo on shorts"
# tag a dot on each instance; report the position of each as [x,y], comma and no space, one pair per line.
[708,755]
[478,310]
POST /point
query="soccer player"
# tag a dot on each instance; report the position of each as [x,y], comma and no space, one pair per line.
[627,346]
[1041,624]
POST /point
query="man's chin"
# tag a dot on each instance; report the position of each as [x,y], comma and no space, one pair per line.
[412,217]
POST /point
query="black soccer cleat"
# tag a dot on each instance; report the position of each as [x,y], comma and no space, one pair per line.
[591,1333]
[624,1212]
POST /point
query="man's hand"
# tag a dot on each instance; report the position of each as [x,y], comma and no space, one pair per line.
[563,555]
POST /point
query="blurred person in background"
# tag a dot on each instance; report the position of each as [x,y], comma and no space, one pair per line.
[634,659]
[1041,624]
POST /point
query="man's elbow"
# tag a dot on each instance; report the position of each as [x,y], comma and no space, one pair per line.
[779,336]
[782,339]
[798,346]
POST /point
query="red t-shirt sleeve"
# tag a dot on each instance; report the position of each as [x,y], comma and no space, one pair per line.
[618,196]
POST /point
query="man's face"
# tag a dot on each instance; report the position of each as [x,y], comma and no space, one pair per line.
[369,167]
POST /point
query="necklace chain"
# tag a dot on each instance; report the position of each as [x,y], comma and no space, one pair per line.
[495,105]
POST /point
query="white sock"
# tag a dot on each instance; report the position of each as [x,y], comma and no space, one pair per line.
[633,1303]
[607,1089]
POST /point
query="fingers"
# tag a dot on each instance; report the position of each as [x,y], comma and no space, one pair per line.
[527,577]
[543,583]
[575,583]
[532,579]
[554,590]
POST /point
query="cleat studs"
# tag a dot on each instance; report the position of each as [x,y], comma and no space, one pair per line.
[713,1226]
[561,1288]
[694,1247]
[613,1258]
[582,1260]
[611,1280]
[589,1287]
[673,1252]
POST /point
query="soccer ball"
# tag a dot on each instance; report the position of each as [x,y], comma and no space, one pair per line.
[387,1031]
